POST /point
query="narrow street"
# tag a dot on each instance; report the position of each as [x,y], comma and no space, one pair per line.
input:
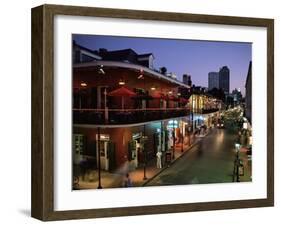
[209,161]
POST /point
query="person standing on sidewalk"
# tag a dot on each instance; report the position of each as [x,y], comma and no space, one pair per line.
[159,159]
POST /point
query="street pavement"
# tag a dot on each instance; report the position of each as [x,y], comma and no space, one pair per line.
[211,160]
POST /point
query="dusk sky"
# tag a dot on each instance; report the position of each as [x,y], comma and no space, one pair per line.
[196,58]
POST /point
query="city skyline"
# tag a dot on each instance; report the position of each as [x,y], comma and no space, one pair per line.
[192,57]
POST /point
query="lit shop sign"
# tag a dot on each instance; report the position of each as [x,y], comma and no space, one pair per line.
[144,137]
[199,117]
[136,135]
[172,124]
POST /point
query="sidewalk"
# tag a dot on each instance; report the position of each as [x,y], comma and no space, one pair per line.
[115,179]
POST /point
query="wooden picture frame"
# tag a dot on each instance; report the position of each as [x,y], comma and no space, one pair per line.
[43,107]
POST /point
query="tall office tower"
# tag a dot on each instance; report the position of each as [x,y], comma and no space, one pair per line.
[189,81]
[213,80]
[224,79]
[186,79]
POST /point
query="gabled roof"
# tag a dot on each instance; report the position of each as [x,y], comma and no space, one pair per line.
[145,55]
[120,55]
[84,48]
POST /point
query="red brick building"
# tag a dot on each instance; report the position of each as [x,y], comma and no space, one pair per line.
[134,109]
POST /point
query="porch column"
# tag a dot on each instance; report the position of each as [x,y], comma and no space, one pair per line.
[99,97]
[174,139]
[99,160]
[105,106]
[144,154]
[182,134]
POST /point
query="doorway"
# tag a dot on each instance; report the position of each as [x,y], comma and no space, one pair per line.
[104,151]
[136,147]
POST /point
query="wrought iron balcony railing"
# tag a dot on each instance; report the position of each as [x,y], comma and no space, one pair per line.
[205,111]
[125,116]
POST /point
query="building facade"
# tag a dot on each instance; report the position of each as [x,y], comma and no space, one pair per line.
[248,94]
[205,110]
[237,96]
[125,111]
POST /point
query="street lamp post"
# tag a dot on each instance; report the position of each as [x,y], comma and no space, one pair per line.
[236,164]
[99,166]
[192,112]
[162,137]
[105,106]
[144,154]
[182,135]
[174,139]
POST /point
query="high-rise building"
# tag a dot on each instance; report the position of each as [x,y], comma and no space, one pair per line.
[186,79]
[224,79]
[213,80]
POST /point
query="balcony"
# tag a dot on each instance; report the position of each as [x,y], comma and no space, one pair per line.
[125,116]
[205,111]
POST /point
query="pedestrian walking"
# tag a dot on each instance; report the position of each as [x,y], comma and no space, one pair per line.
[127,181]
[159,159]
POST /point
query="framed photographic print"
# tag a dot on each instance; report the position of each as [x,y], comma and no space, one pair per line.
[141,112]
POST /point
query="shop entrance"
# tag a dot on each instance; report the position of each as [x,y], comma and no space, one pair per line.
[104,151]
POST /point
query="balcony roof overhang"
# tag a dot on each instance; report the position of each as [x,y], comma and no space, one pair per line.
[131,66]
[127,125]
